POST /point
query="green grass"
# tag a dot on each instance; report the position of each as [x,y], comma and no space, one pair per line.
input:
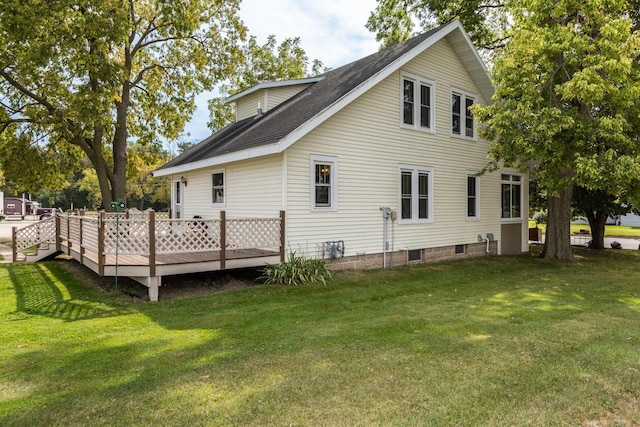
[487,342]
[609,231]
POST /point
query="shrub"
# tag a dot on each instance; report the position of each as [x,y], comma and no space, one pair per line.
[298,270]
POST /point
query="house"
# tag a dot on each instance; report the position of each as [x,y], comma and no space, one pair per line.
[374,163]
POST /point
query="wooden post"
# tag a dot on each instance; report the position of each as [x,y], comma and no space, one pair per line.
[101,256]
[68,235]
[14,231]
[81,245]
[58,239]
[223,240]
[282,235]
[152,243]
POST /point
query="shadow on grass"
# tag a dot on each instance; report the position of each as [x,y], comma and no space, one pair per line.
[45,291]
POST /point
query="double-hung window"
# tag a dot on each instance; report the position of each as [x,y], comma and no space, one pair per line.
[416,194]
[462,120]
[473,196]
[511,196]
[217,188]
[323,183]
[417,102]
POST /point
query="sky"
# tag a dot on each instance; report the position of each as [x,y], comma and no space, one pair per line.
[332,31]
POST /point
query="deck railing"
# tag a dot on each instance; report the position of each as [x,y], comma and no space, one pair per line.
[145,235]
[42,232]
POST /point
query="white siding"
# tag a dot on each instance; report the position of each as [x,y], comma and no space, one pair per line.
[247,106]
[278,95]
[253,188]
[369,143]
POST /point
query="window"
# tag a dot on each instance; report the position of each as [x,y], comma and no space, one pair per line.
[511,196]
[416,201]
[458,113]
[417,102]
[414,255]
[323,183]
[459,249]
[473,193]
[217,188]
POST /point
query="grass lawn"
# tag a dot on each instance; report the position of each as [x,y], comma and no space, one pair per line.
[488,342]
[609,230]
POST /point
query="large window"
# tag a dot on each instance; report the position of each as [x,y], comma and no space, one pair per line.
[323,183]
[473,196]
[462,120]
[511,196]
[417,102]
[217,187]
[416,194]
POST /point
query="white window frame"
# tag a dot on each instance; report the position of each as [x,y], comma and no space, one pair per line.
[415,173]
[473,174]
[224,189]
[417,83]
[333,182]
[510,181]
[464,96]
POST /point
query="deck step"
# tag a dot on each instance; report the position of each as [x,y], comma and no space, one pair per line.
[45,251]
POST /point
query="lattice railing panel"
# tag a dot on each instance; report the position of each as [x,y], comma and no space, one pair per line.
[179,235]
[130,236]
[90,234]
[35,234]
[253,233]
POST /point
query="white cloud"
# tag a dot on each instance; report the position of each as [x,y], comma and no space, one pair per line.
[332,31]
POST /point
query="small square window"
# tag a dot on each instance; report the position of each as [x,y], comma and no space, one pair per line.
[414,255]
[460,249]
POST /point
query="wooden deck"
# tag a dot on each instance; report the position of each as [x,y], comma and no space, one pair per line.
[145,248]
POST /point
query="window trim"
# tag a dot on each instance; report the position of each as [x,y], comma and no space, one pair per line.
[418,82]
[476,217]
[333,184]
[415,172]
[511,182]
[464,96]
[224,188]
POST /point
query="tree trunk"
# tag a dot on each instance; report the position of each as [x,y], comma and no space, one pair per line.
[597,223]
[557,244]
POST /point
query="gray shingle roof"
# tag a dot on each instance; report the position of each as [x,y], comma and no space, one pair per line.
[280,121]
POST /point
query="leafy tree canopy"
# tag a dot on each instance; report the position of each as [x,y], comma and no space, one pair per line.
[567,101]
[262,63]
[394,21]
[84,78]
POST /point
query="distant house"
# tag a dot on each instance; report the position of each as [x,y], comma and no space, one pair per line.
[373,163]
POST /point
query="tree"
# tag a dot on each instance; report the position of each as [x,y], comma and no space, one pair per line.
[566,104]
[486,21]
[262,63]
[597,206]
[84,78]
[143,189]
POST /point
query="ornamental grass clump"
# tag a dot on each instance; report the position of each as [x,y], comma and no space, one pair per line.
[297,271]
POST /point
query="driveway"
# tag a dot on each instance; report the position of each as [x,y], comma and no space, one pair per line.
[7,226]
